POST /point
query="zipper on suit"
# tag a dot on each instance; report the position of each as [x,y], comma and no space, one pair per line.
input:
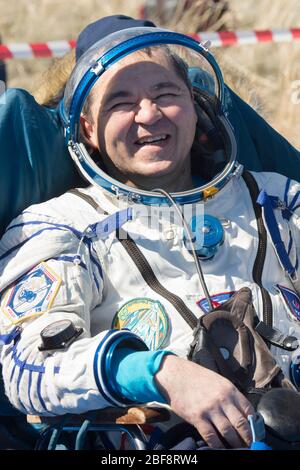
[149,277]
[144,267]
[262,248]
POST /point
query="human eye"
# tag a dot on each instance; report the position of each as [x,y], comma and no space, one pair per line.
[167,95]
[120,105]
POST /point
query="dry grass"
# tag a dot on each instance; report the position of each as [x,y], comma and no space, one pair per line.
[272,69]
[49,20]
[263,74]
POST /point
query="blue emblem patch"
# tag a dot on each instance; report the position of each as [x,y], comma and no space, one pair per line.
[292,300]
[217,300]
[32,295]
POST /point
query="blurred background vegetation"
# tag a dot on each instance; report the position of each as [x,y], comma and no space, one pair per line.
[265,75]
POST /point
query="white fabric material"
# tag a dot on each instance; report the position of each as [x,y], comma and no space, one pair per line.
[91,300]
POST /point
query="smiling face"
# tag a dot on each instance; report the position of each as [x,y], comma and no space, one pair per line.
[142,120]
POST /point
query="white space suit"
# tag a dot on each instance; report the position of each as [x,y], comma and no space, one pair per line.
[84,274]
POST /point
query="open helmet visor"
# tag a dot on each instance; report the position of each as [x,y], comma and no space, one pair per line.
[203,74]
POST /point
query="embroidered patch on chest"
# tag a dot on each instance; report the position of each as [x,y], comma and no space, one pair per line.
[145,317]
[31,295]
[216,299]
[292,300]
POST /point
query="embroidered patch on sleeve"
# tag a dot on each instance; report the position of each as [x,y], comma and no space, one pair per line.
[31,295]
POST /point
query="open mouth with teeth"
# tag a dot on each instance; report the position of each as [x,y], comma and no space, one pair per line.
[152,140]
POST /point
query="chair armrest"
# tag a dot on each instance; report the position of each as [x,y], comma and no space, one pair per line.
[133,415]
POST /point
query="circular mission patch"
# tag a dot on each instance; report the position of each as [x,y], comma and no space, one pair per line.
[145,317]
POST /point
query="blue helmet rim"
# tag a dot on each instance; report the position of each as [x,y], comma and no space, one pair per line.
[80,155]
[71,119]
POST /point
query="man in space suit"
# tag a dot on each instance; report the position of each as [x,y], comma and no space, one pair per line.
[114,284]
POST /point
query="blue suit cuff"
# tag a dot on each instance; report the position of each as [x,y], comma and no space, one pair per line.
[133,373]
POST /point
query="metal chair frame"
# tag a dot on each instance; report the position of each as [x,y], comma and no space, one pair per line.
[121,420]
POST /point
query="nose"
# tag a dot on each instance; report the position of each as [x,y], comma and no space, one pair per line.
[148,112]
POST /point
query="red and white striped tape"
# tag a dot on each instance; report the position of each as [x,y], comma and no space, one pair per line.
[32,50]
[229,38]
[220,39]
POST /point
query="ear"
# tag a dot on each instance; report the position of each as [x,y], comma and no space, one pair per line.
[89,131]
